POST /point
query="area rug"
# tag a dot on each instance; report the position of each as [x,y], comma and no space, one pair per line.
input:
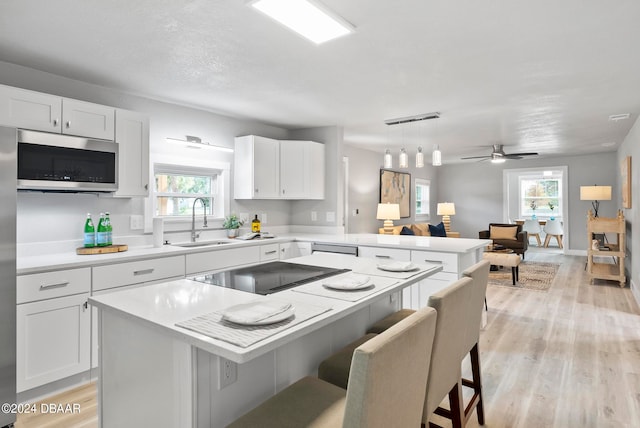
[533,276]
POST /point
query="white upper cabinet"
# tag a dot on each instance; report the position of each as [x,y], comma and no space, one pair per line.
[271,169]
[26,109]
[256,168]
[132,136]
[87,119]
[30,110]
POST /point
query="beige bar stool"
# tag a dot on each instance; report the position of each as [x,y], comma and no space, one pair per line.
[386,386]
[452,304]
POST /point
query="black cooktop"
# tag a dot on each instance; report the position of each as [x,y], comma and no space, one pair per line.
[268,278]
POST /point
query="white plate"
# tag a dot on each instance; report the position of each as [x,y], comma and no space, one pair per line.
[398,267]
[349,282]
[237,314]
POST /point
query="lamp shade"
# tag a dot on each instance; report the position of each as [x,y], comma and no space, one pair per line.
[388,212]
[446,208]
[595,193]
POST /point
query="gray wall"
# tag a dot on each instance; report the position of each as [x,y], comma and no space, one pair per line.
[477,190]
[364,189]
[631,147]
[331,137]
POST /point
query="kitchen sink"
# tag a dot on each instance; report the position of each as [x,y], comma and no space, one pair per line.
[201,244]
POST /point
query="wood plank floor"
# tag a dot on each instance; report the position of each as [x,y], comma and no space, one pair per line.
[568,357]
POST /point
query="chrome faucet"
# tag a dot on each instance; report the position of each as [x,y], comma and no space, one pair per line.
[195,235]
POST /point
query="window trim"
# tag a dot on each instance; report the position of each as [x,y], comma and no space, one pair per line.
[426,183]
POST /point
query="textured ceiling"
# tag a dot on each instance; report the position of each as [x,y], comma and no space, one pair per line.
[535,76]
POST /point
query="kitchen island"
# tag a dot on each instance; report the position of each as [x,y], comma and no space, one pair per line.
[154,373]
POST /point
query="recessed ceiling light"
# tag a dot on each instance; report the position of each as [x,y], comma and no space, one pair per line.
[617,117]
[308,19]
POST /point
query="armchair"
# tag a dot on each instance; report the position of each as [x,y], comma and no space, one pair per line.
[503,234]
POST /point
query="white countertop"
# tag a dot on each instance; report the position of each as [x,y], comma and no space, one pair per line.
[160,306]
[70,260]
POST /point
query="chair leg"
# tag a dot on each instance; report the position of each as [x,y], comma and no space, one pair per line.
[476,401]
[559,239]
[457,406]
[538,239]
[546,241]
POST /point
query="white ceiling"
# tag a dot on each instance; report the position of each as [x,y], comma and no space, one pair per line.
[533,75]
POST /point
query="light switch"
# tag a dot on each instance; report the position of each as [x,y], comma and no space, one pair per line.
[331,216]
[263,218]
[314,216]
[136,222]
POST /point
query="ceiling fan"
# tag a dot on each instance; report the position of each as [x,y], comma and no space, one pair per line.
[498,155]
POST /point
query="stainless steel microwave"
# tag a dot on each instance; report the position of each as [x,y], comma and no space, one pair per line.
[55,162]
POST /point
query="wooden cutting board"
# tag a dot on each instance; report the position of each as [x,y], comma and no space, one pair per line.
[102,250]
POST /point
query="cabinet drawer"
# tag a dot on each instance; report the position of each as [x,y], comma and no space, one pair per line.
[120,274]
[269,252]
[40,286]
[384,254]
[222,259]
[449,261]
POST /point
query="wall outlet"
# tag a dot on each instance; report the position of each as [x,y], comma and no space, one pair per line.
[136,222]
[331,216]
[314,216]
[228,372]
[263,218]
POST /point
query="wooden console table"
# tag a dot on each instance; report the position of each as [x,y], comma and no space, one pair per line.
[603,225]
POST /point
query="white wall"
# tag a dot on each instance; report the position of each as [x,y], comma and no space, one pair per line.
[631,147]
[37,211]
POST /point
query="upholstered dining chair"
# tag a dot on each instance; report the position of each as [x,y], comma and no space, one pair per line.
[386,385]
[453,304]
[553,228]
[532,227]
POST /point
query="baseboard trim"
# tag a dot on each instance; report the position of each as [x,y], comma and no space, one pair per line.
[635,290]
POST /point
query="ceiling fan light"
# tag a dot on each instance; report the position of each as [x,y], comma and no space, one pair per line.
[419,158]
[436,156]
[498,160]
[403,161]
[388,160]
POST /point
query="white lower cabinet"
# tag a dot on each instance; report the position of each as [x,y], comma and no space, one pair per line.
[289,250]
[269,252]
[52,326]
[222,259]
[52,340]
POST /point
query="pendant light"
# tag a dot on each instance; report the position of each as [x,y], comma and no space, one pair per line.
[436,156]
[388,160]
[403,160]
[419,158]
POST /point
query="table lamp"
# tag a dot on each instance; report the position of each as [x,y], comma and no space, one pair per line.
[446,209]
[595,194]
[388,213]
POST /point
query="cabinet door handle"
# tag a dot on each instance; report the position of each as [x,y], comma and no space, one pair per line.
[283,191]
[271,252]
[68,124]
[382,256]
[55,122]
[143,272]
[256,190]
[85,305]
[438,262]
[57,285]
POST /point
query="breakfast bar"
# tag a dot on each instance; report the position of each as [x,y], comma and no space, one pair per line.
[158,369]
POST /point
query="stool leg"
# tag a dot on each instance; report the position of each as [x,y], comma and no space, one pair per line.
[517,273]
[513,275]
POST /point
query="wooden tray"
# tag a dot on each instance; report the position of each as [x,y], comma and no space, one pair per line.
[102,250]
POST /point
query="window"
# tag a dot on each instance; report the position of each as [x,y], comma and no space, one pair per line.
[177,187]
[422,199]
[540,196]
